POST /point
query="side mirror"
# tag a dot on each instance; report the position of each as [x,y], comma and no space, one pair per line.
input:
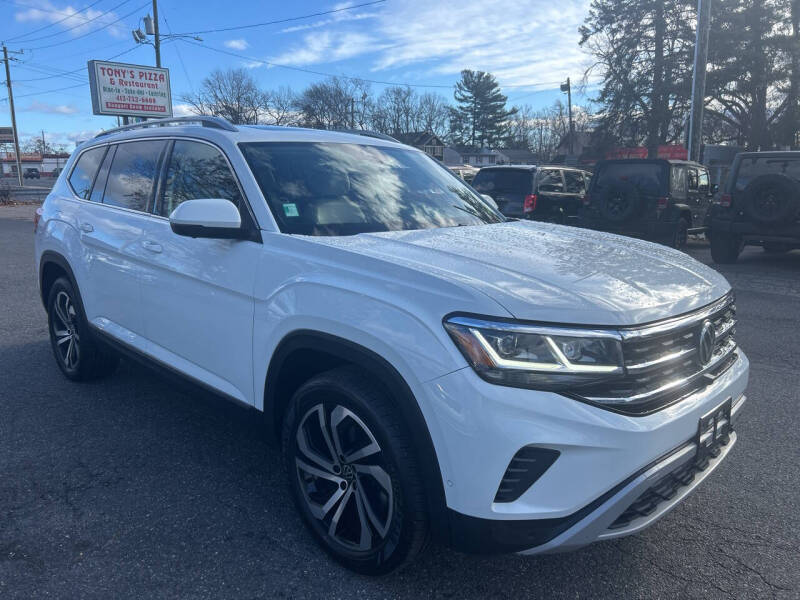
[714,188]
[207,218]
[490,201]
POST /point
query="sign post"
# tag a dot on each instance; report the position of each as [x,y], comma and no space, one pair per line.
[120,89]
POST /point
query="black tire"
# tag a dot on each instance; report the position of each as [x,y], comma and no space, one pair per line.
[680,237]
[725,247]
[620,202]
[772,198]
[79,356]
[356,413]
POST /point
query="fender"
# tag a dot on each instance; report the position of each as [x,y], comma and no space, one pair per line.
[50,257]
[393,382]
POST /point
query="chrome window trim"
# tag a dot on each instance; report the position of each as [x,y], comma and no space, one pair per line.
[167,138]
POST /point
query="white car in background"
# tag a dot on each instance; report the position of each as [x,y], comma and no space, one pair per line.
[431,369]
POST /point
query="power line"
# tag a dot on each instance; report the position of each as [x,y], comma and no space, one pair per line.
[69,87]
[75,39]
[317,14]
[324,74]
[82,24]
[54,72]
[69,15]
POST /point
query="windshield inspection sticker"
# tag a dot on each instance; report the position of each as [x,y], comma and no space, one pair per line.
[290,209]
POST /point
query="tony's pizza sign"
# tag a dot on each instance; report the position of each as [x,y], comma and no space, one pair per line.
[129,90]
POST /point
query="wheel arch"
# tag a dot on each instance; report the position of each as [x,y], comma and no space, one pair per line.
[52,265]
[302,354]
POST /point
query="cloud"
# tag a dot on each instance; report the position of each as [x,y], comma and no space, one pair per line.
[51,109]
[532,45]
[238,44]
[182,110]
[77,21]
[325,47]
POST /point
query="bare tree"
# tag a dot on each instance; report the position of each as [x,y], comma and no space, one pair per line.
[279,108]
[232,94]
[335,103]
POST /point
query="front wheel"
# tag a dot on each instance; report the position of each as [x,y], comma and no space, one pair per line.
[725,247]
[352,473]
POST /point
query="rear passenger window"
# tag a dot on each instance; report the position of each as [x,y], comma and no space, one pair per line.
[82,176]
[574,182]
[550,181]
[133,174]
[197,171]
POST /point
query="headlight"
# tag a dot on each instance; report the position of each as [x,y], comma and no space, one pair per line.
[548,358]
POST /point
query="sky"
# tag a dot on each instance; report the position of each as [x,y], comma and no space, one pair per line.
[531,46]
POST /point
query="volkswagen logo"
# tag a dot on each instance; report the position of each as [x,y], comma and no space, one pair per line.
[708,338]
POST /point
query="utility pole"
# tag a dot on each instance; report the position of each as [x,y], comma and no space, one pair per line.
[567,87]
[156,37]
[13,115]
[699,78]
[44,144]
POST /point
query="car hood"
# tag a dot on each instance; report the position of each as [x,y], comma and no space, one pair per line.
[546,272]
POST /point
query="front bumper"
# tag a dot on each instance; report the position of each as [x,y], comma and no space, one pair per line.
[607,460]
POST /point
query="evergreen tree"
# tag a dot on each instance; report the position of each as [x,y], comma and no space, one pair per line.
[645,50]
[480,117]
[748,65]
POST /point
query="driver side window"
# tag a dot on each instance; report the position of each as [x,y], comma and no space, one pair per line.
[195,171]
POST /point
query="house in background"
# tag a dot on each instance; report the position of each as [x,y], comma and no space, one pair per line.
[514,156]
[426,141]
[476,157]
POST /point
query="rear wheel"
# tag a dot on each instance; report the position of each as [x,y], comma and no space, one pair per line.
[725,247]
[352,473]
[78,355]
[680,238]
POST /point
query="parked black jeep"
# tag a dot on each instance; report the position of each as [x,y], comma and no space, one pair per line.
[541,193]
[759,205]
[656,199]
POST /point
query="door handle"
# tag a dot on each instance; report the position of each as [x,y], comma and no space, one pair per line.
[87,227]
[152,246]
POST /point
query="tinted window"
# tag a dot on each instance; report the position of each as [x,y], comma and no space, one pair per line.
[197,171]
[341,189]
[678,182]
[574,182]
[550,180]
[83,174]
[504,180]
[102,176]
[752,167]
[702,181]
[649,178]
[132,174]
[693,181]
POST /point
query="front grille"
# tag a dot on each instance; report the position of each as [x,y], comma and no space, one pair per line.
[662,363]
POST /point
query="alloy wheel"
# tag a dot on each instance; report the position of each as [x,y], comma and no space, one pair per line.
[343,477]
[65,331]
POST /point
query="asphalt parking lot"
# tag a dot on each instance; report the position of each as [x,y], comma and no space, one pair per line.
[135,487]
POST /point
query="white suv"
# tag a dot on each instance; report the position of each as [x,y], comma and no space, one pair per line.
[431,369]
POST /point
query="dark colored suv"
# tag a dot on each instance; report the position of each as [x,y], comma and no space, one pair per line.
[541,193]
[656,199]
[758,205]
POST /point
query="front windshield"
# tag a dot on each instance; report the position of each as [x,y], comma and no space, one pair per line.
[343,189]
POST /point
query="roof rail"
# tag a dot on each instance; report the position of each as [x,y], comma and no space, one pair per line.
[372,134]
[203,120]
